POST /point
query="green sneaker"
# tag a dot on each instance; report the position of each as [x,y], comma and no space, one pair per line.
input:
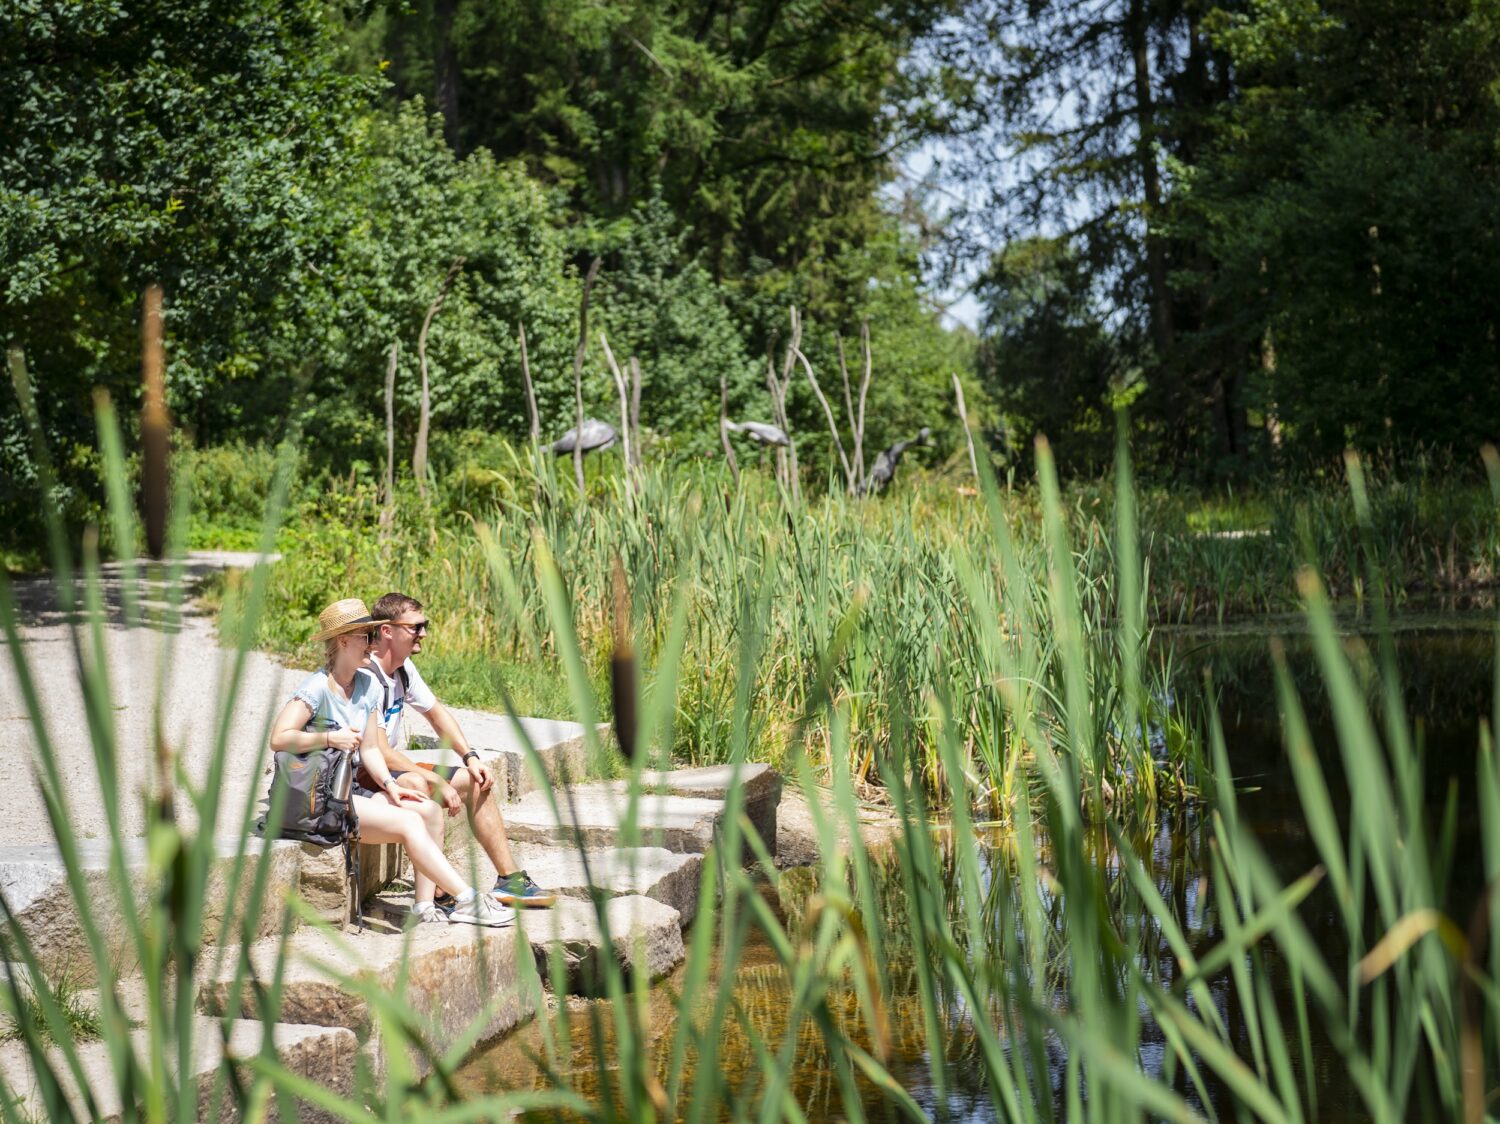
[519,891]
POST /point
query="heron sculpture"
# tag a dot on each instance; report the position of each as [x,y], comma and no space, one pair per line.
[759,432]
[596,435]
[885,464]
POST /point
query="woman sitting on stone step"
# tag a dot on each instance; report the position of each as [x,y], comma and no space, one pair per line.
[340,708]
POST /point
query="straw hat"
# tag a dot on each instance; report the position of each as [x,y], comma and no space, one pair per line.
[348,615]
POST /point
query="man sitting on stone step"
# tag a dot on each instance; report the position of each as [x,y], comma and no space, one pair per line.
[401,627]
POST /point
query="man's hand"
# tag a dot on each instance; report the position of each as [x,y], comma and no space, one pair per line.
[480,774]
[449,796]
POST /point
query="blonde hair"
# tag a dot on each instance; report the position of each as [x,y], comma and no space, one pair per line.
[331,649]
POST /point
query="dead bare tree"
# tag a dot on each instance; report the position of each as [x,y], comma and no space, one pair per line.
[388,501]
[734,468]
[536,421]
[424,418]
[580,353]
[833,427]
[624,392]
[635,409]
[963,416]
[156,426]
[786,458]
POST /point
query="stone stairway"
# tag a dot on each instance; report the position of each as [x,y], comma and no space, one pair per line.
[468,985]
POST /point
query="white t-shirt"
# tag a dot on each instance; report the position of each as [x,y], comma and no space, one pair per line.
[394,698]
[330,710]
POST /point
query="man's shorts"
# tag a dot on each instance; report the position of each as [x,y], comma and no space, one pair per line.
[363,782]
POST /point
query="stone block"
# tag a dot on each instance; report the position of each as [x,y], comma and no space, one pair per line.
[324,883]
[321,1054]
[34,882]
[591,816]
[645,936]
[669,877]
[760,788]
[456,979]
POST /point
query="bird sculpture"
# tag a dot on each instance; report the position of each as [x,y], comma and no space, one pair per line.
[759,432]
[885,464]
[596,435]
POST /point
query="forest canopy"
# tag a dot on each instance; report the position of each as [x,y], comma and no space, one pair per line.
[1266,226]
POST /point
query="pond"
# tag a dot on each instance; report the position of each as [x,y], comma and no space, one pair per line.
[1447,666]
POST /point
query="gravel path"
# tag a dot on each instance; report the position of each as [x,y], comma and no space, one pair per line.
[196,668]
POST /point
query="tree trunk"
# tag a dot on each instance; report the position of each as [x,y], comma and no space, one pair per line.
[445,71]
[424,417]
[1145,117]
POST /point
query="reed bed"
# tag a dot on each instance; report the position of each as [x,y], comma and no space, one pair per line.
[926,607]
[1060,982]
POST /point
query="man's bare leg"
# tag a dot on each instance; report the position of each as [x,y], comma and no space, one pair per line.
[484,815]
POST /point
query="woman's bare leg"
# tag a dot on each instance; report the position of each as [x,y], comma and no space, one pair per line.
[382,822]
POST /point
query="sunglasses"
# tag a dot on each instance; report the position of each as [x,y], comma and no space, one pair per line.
[418,629]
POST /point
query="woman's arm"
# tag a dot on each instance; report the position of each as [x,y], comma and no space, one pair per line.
[372,749]
[287,732]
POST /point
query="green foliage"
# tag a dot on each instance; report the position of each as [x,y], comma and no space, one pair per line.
[1347,200]
[1274,223]
[81,1021]
[177,143]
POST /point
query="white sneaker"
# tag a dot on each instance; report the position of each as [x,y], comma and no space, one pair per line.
[482,910]
[431,915]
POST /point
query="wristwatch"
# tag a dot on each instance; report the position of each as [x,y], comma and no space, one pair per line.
[472,753]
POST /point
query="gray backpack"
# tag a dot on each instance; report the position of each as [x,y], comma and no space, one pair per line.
[317,807]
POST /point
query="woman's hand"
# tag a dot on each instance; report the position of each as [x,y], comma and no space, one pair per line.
[343,738]
[399,794]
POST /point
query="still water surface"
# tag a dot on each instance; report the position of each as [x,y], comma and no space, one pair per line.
[1447,664]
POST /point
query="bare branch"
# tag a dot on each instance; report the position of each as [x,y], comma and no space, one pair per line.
[864,389]
[827,410]
[424,418]
[963,416]
[580,353]
[536,421]
[388,508]
[619,377]
[734,468]
[635,408]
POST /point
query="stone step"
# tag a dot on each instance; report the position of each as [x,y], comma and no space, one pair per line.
[760,787]
[449,975]
[324,881]
[500,739]
[669,877]
[645,936]
[34,882]
[680,811]
[590,816]
[325,1055]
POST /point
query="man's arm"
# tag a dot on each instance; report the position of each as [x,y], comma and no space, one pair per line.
[450,733]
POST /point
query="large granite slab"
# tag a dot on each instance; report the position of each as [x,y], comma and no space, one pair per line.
[457,979]
[591,816]
[324,1055]
[34,882]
